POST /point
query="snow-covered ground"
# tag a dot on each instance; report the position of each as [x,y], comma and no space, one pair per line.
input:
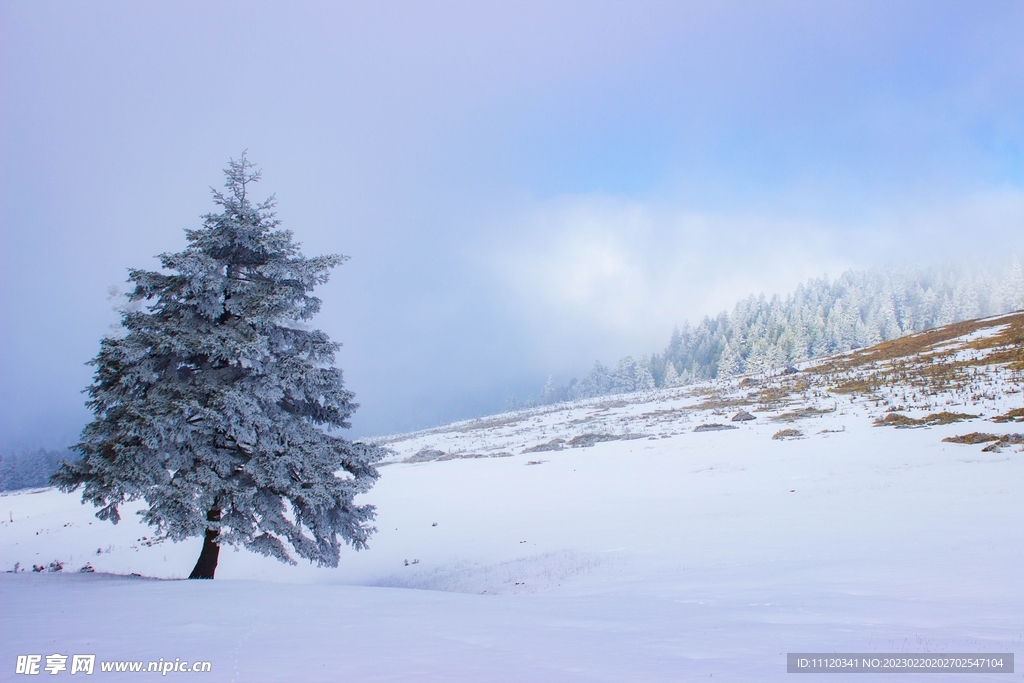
[655,553]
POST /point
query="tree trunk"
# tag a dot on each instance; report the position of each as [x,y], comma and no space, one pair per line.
[207,563]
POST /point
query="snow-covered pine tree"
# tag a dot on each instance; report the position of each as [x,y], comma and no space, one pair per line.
[670,378]
[214,405]
[729,363]
[548,394]
[624,377]
[644,376]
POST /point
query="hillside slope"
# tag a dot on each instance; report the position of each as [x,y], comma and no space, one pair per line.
[675,534]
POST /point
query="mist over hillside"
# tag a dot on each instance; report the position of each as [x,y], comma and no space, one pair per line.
[822,317]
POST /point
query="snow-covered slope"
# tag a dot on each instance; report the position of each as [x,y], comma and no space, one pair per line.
[637,537]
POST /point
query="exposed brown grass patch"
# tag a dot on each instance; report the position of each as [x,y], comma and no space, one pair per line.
[972,438]
[773,394]
[923,342]
[1004,441]
[945,418]
[787,434]
[795,415]
[898,420]
[857,386]
[433,455]
[609,405]
[1015,415]
[1012,336]
[720,403]
[553,445]
[713,427]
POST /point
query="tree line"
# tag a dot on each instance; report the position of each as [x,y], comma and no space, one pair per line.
[822,317]
[29,469]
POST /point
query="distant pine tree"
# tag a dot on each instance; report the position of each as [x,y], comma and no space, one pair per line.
[1013,292]
[671,376]
[548,394]
[212,407]
[729,364]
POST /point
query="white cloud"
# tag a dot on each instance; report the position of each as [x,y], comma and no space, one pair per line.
[631,270]
[601,277]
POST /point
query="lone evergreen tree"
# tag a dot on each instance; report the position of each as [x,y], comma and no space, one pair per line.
[215,406]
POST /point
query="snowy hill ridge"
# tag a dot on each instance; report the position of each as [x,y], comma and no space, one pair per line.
[974,364]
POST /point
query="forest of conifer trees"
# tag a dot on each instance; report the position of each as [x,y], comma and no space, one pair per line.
[822,317]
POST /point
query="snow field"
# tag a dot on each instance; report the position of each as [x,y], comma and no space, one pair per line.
[709,553]
[673,556]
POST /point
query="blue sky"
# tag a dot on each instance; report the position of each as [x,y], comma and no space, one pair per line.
[523,187]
